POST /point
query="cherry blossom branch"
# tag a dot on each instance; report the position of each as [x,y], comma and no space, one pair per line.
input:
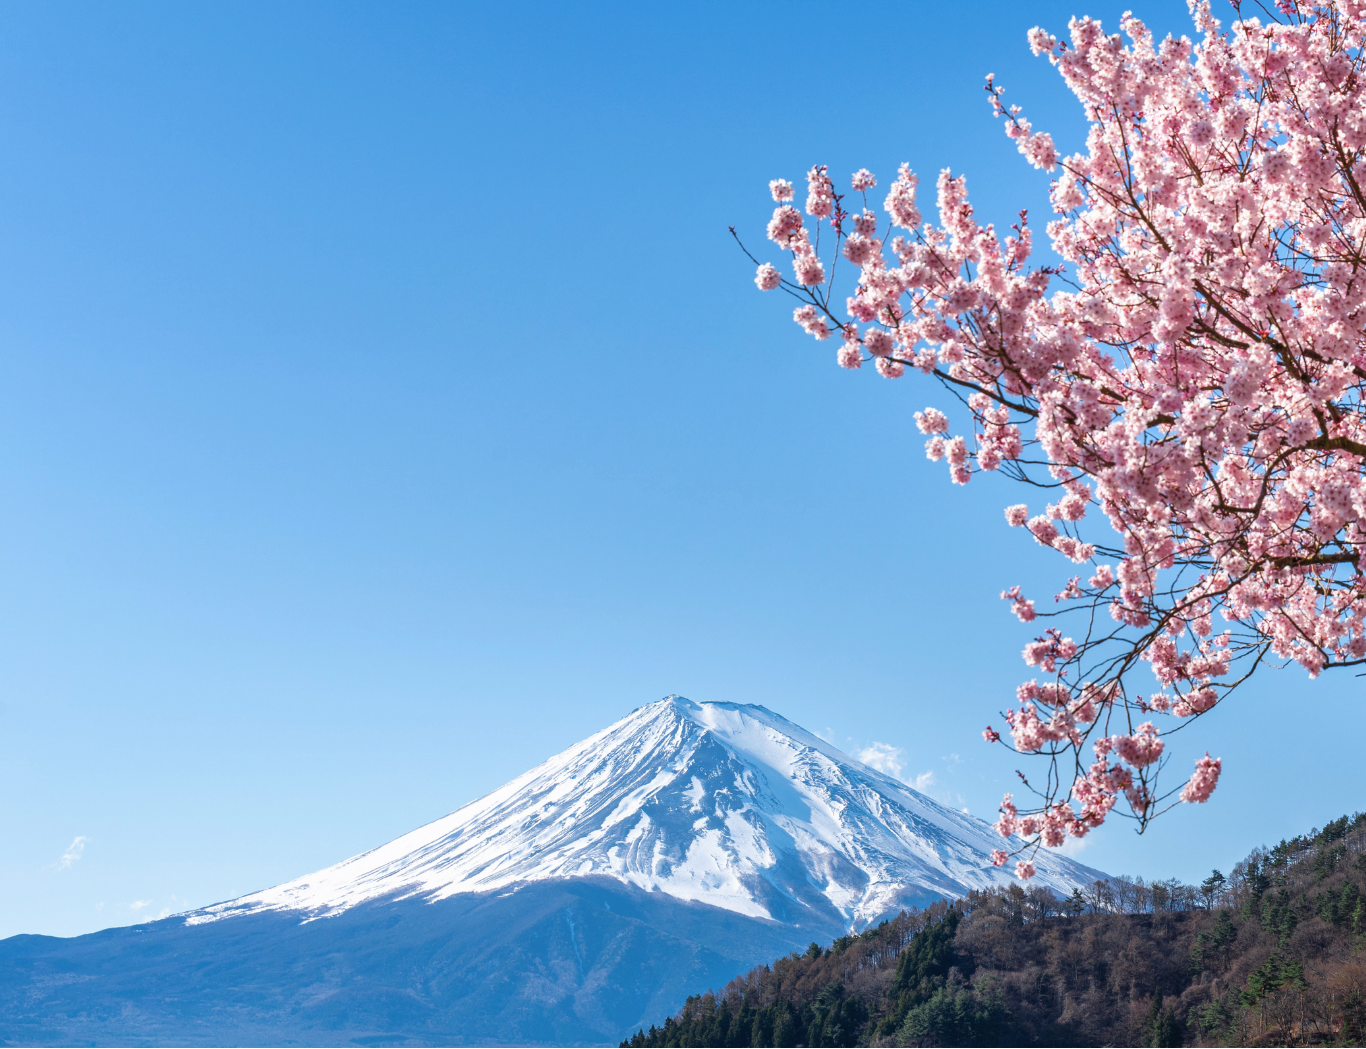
[1197,379]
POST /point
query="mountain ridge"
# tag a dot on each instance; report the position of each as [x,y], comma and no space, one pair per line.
[724,803]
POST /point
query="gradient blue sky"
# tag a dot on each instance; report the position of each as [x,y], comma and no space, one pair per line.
[384,407]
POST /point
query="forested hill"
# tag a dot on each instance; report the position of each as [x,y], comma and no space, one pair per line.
[1272,954]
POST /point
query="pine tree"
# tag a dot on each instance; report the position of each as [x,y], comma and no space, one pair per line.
[1210,888]
[784,1028]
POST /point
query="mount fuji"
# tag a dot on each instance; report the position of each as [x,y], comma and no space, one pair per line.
[670,851]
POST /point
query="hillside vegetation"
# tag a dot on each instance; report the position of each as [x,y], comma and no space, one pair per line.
[1270,954]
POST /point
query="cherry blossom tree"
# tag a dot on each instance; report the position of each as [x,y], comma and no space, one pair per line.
[1193,373]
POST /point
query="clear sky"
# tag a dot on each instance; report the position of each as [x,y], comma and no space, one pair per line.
[384,407]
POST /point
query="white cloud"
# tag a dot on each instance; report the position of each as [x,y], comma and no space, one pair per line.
[928,784]
[72,853]
[886,758]
[1071,846]
[882,756]
[140,907]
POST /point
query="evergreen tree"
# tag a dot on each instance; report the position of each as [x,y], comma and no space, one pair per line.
[1210,888]
[921,969]
[784,1027]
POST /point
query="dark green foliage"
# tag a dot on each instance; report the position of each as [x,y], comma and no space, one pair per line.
[1338,907]
[784,1027]
[1210,952]
[1075,905]
[1271,976]
[1262,981]
[1211,887]
[1215,1018]
[957,1017]
[1160,1028]
[837,1019]
[1278,916]
[921,970]
[926,959]
[1264,956]
[833,1018]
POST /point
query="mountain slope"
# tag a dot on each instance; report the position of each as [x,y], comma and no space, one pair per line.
[722,803]
[565,962]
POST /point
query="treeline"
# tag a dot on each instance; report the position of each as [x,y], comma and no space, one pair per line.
[1274,953]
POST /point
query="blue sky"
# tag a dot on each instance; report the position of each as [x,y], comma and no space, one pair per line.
[384,407]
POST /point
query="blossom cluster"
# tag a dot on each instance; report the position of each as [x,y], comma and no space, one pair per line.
[1193,376]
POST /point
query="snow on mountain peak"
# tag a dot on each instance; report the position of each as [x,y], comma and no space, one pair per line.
[723,803]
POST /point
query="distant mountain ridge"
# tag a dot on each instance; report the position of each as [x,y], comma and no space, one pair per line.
[678,847]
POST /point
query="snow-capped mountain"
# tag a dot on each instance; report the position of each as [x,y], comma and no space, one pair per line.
[667,854]
[720,803]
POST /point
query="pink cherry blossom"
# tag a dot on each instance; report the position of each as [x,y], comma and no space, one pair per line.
[820,195]
[859,248]
[811,321]
[877,342]
[931,420]
[809,270]
[1043,529]
[784,225]
[1188,387]
[1005,826]
[1022,607]
[781,190]
[900,203]
[768,277]
[1140,749]
[1206,778]
[1054,830]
